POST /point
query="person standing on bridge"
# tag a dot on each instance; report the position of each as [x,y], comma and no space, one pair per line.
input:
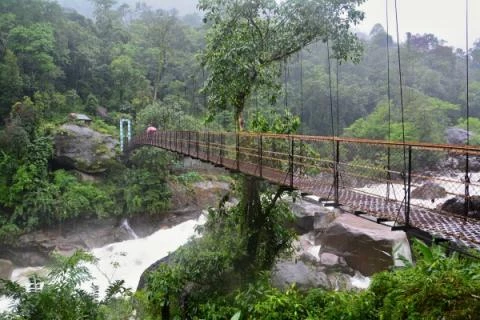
[151,132]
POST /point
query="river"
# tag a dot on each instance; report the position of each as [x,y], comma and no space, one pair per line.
[124,260]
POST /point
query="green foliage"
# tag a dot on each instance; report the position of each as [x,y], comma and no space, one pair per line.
[436,287]
[10,82]
[102,127]
[61,298]
[426,119]
[274,122]
[168,115]
[216,264]
[189,177]
[246,39]
[474,126]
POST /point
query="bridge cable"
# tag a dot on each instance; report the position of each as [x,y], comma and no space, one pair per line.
[285,80]
[334,151]
[338,99]
[330,91]
[389,97]
[404,173]
[301,88]
[467,174]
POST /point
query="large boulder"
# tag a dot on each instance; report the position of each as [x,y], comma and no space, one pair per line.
[304,276]
[310,215]
[6,268]
[456,206]
[455,135]
[366,246]
[429,191]
[83,148]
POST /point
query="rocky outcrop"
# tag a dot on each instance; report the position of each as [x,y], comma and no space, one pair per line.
[365,246]
[304,276]
[6,268]
[311,216]
[142,283]
[83,148]
[456,206]
[456,135]
[308,269]
[429,191]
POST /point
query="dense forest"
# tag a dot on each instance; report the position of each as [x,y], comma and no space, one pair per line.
[211,73]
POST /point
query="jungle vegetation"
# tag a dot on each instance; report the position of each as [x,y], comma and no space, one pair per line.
[237,67]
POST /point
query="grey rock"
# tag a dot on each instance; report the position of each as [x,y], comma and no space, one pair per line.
[83,148]
[6,268]
[454,135]
[310,216]
[305,276]
[142,283]
[340,281]
[456,206]
[366,246]
[429,191]
[323,219]
[329,259]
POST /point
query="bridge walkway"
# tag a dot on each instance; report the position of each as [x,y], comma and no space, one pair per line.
[348,172]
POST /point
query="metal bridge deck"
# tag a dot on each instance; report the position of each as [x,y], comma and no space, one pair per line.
[282,168]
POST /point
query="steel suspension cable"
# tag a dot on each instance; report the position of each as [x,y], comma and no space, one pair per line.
[467,58]
[335,185]
[406,200]
[389,97]
[338,99]
[301,88]
[285,80]
[330,89]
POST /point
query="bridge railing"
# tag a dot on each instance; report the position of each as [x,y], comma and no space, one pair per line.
[411,174]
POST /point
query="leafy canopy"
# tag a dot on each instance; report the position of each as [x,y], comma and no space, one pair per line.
[246,38]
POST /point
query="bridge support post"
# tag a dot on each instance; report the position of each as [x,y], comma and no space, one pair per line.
[467,185]
[409,185]
[208,145]
[291,156]
[237,151]
[176,140]
[336,180]
[197,143]
[222,147]
[260,155]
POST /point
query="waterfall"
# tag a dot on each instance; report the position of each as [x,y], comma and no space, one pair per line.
[129,229]
[124,260]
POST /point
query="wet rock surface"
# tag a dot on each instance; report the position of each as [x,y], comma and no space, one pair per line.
[365,246]
[454,135]
[456,206]
[6,268]
[34,248]
[429,191]
[83,148]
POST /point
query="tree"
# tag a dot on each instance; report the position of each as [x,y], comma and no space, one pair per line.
[244,42]
[128,78]
[10,82]
[34,47]
[246,38]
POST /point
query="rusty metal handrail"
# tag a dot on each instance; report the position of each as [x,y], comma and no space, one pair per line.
[295,160]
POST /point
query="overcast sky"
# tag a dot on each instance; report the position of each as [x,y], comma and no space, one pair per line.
[443,18]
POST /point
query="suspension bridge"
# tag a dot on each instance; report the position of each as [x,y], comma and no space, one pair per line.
[352,174]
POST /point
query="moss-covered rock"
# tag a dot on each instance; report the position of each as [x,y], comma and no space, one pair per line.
[83,148]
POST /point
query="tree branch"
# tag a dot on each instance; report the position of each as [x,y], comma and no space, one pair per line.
[279,192]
